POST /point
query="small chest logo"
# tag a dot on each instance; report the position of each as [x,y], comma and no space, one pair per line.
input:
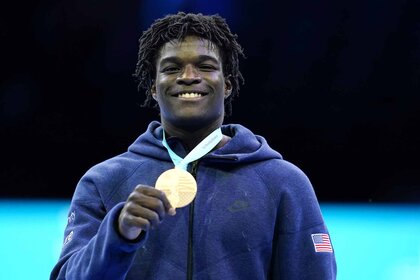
[238,205]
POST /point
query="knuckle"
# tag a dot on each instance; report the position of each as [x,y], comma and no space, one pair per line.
[158,205]
[126,219]
[130,220]
[129,205]
[146,225]
[155,217]
[161,194]
[139,187]
[132,196]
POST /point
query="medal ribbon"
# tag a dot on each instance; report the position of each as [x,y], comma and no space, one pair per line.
[200,150]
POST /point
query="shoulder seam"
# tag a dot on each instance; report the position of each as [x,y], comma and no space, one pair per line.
[106,200]
[302,229]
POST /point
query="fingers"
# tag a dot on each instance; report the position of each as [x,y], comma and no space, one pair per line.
[168,207]
[140,217]
[160,195]
[144,209]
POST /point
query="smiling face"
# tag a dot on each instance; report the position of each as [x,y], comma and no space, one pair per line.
[190,87]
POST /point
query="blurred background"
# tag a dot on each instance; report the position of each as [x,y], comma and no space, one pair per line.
[334,86]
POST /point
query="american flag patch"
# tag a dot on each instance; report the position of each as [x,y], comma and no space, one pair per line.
[321,242]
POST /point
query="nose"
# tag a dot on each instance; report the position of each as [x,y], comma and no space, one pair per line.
[189,76]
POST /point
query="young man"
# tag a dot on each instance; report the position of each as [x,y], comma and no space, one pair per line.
[231,208]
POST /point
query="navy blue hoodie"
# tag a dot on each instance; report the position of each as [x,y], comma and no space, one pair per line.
[255,216]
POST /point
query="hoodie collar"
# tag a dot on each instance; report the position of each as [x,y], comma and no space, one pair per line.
[243,147]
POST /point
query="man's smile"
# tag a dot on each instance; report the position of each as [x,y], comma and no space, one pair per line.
[190,95]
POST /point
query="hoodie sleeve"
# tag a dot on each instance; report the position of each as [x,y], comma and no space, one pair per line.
[296,257]
[302,248]
[92,248]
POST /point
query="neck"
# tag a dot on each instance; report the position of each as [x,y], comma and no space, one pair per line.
[191,136]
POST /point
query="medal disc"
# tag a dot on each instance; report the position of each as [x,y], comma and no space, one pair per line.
[179,186]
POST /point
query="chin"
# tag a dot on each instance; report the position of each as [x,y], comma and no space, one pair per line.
[196,121]
[190,121]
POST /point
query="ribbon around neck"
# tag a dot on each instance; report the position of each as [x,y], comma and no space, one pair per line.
[205,146]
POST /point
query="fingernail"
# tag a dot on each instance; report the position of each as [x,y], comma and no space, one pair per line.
[172,211]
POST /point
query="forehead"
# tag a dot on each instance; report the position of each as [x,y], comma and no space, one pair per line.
[190,46]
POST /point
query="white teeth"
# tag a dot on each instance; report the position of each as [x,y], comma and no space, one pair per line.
[189,95]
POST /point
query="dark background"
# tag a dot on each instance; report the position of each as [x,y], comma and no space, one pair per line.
[334,86]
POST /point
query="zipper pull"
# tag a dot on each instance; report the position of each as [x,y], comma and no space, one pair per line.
[194,167]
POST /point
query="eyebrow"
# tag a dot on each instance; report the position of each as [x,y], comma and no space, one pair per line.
[176,59]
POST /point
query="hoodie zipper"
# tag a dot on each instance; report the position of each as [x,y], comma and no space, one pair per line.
[191,228]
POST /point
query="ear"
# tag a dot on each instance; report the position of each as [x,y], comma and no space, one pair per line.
[153,90]
[228,86]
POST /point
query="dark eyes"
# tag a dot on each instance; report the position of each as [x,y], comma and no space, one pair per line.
[170,69]
[207,67]
[202,67]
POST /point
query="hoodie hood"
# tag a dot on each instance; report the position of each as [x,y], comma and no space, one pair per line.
[243,147]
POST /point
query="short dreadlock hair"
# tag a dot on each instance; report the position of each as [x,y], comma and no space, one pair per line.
[176,27]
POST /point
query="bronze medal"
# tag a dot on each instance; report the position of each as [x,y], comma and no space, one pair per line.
[179,186]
